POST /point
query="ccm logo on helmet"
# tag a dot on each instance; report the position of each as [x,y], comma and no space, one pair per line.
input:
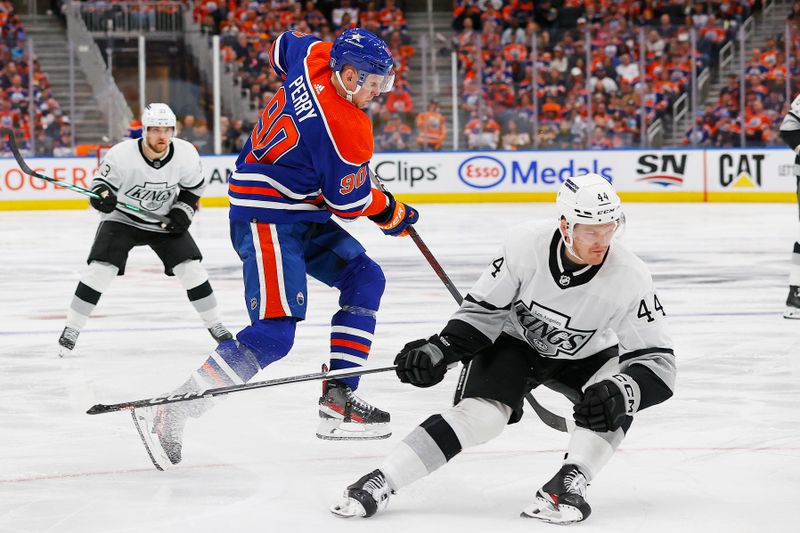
[481,172]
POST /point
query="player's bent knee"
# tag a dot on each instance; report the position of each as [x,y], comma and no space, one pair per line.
[191,273]
[477,420]
[99,275]
[361,283]
[269,339]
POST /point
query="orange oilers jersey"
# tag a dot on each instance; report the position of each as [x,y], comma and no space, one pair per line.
[307,155]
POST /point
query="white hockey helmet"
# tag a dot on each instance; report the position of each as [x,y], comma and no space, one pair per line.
[588,199]
[158,115]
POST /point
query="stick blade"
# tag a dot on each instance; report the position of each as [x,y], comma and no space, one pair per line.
[99,409]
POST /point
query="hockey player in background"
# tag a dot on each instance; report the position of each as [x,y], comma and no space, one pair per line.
[790,133]
[561,307]
[306,160]
[162,174]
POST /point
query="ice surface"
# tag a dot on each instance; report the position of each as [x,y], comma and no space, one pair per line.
[722,456]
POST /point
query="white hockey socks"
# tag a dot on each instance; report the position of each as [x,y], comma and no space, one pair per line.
[194,279]
[95,280]
[591,451]
[794,269]
[441,437]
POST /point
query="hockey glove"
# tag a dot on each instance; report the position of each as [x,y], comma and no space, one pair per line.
[396,218]
[180,217]
[606,404]
[107,201]
[423,363]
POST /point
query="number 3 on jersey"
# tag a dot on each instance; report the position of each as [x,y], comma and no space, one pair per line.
[275,134]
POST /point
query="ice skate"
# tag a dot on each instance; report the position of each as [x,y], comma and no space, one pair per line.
[161,430]
[793,303]
[365,497]
[562,500]
[67,340]
[220,333]
[345,416]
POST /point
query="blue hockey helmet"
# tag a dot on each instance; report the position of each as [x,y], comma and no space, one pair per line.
[368,54]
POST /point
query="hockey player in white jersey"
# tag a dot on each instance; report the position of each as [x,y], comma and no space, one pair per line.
[790,133]
[562,307]
[161,174]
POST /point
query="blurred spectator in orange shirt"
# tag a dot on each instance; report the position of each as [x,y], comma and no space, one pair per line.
[482,133]
[431,127]
[395,135]
[399,101]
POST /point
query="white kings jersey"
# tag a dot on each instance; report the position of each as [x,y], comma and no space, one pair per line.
[527,293]
[151,185]
[791,123]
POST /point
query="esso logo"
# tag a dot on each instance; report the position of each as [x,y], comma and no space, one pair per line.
[482,172]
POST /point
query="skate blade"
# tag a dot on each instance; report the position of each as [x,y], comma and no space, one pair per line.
[63,351]
[332,429]
[348,508]
[552,514]
[154,449]
[792,313]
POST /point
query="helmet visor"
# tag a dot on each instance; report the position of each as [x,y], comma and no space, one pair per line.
[378,82]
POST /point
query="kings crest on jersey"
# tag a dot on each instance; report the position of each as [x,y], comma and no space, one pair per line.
[307,156]
[152,185]
[567,315]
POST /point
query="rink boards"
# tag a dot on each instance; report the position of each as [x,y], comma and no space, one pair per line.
[730,175]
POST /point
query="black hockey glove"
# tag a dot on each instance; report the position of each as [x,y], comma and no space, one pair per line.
[107,200]
[180,217]
[423,363]
[396,218]
[606,404]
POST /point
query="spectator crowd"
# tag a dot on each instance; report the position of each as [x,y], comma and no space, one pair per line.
[25,94]
[548,74]
[598,71]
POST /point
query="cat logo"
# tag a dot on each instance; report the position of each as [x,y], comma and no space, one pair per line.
[740,171]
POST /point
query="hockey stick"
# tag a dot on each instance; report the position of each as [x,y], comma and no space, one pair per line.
[12,142]
[551,419]
[100,408]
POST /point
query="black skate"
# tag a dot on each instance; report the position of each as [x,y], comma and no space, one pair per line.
[67,340]
[562,500]
[345,416]
[161,430]
[793,303]
[365,497]
[220,333]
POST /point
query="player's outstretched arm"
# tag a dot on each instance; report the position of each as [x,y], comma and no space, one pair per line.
[424,362]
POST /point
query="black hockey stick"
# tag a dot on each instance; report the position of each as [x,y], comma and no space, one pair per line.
[551,419]
[449,285]
[150,402]
[12,142]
